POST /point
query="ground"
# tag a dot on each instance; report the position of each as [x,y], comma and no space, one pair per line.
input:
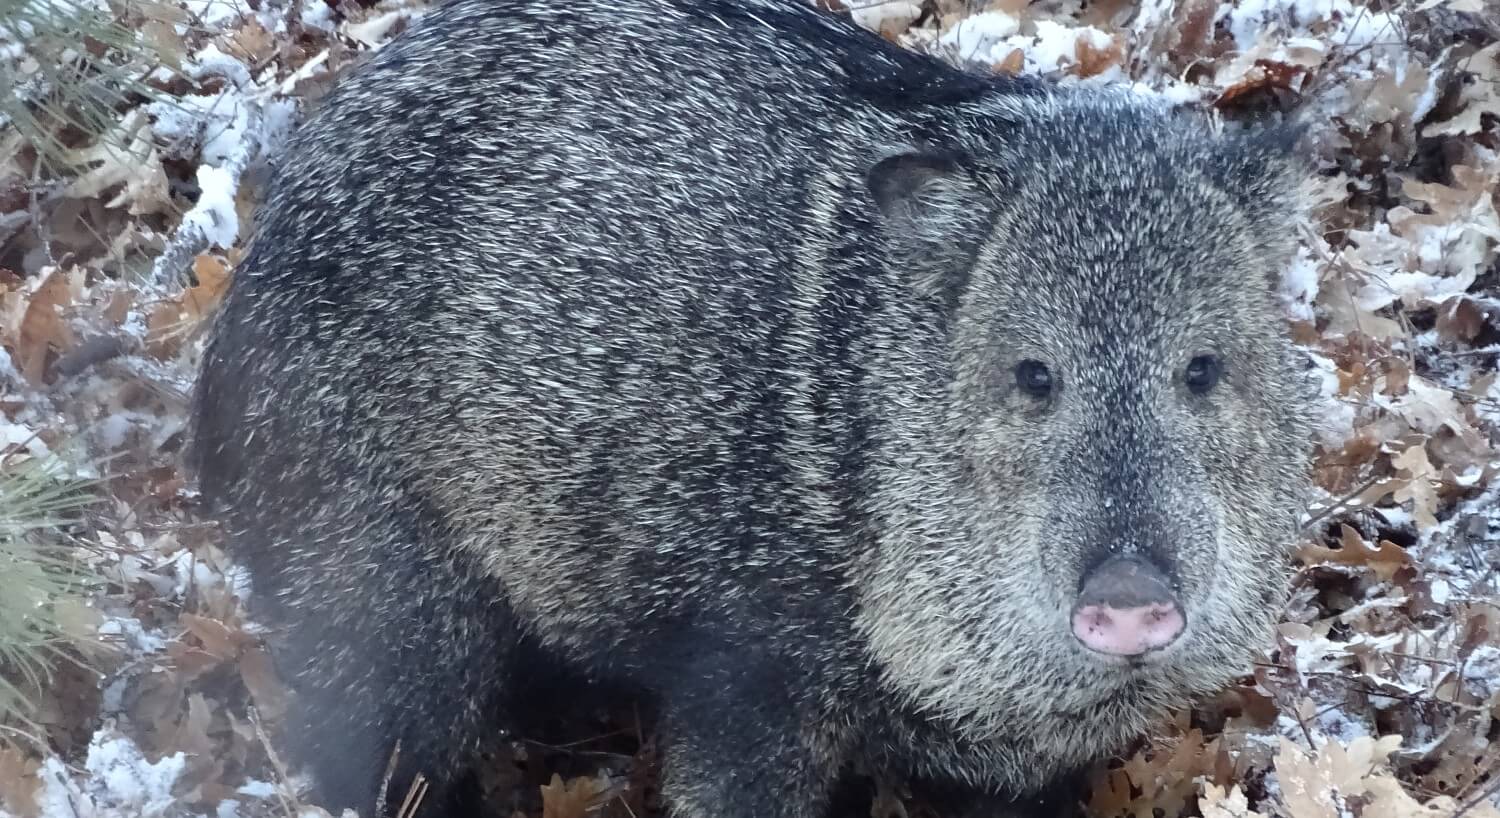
[1378,697]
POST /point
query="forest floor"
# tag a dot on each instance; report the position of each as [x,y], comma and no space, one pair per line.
[1380,696]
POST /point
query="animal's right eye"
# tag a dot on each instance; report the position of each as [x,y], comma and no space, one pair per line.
[1034,378]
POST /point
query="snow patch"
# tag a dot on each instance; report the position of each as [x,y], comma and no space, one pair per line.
[121,782]
[1299,285]
[217,13]
[131,634]
[876,16]
[214,215]
[982,37]
[317,14]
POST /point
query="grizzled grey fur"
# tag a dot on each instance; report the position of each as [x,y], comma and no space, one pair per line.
[678,341]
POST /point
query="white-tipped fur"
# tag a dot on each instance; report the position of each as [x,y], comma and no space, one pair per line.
[603,333]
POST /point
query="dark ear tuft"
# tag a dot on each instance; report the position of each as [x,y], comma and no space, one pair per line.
[1264,168]
[920,190]
[935,208]
[1259,163]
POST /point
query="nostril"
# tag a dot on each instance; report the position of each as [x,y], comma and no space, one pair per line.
[1128,631]
[1126,608]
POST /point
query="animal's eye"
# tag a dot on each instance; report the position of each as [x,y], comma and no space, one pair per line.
[1034,378]
[1202,374]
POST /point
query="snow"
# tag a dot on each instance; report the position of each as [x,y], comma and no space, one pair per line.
[217,12]
[1299,285]
[876,15]
[115,429]
[317,14]
[1172,91]
[15,434]
[312,68]
[257,789]
[123,777]
[1340,726]
[1336,420]
[990,37]
[228,131]
[1441,592]
[132,635]
[976,38]
[1357,27]
[1056,45]
[121,782]
[1481,671]
[1362,29]
[237,581]
[211,62]
[214,214]
[192,572]
[374,32]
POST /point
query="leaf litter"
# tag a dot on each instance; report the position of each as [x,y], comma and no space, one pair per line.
[1380,692]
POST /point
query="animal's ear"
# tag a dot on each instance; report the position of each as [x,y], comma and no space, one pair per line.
[1264,168]
[922,192]
[935,208]
[1263,165]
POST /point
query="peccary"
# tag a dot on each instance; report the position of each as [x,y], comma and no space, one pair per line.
[854,411]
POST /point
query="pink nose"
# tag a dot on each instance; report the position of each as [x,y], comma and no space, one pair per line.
[1127,631]
[1126,607]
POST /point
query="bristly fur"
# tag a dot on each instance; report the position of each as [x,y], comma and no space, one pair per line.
[674,340]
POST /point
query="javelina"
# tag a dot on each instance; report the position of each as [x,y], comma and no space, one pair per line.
[854,409]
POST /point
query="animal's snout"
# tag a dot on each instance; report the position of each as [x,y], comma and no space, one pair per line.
[1127,608]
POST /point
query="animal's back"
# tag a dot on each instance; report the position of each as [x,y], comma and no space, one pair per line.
[561,261]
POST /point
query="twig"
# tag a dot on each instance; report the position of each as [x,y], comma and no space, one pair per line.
[92,352]
[385,780]
[281,774]
[414,795]
[1479,797]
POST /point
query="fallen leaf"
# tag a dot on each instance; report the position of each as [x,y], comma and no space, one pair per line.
[1384,559]
[572,799]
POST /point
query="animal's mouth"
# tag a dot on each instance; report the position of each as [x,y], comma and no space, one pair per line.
[1135,690]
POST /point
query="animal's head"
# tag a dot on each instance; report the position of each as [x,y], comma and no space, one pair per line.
[1121,418]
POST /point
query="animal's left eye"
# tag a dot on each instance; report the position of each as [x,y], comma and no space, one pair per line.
[1202,374]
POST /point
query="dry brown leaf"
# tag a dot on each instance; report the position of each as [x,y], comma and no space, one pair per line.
[191,735]
[1456,765]
[212,274]
[1460,320]
[1419,485]
[1112,795]
[1388,799]
[1346,317]
[1216,803]
[1384,559]
[1089,60]
[216,637]
[1480,96]
[572,799]
[265,686]
[43,328]
[1012,64]
[19,783]
[252,42]
[1430,408]
[1310,785]
[127,163]
[1161,777]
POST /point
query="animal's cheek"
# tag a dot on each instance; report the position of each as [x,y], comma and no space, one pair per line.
[1221,562]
